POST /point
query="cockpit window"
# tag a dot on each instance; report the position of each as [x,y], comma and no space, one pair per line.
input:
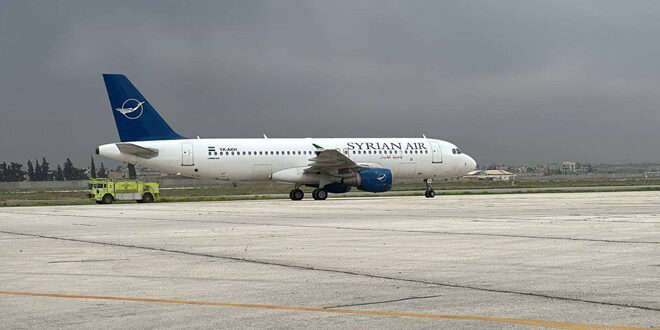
[453,151]
[458,151]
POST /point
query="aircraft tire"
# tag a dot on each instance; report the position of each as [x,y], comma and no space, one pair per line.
[296,194]
[320,194]
[430,193]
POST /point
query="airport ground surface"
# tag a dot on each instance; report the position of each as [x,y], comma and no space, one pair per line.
[482,261]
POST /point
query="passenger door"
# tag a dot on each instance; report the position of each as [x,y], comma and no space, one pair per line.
[437,154]
[187,158]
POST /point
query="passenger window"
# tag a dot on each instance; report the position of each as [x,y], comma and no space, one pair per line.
[215,153]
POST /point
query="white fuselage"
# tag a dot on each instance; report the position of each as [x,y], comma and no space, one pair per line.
[271,159]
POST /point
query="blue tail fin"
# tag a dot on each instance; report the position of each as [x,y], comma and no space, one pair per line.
[136,119]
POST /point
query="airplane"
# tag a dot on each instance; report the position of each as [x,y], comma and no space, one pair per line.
[330,165]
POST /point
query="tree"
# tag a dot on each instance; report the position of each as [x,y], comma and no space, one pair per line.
[45,169]
[71,172]
[102,173]
[38,176]
[30,170]
[3,172]
[59,174]
[131,172]
[92,170]
[15,173]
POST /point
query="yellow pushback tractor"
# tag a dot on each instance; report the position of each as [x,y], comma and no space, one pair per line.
[106,191]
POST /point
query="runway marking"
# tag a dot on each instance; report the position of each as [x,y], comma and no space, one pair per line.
[412,231]
[506,320]
[336,271]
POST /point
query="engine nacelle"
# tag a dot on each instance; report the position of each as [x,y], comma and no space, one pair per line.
[337,188]
[371,180]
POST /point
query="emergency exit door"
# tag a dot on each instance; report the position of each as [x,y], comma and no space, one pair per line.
[187,158]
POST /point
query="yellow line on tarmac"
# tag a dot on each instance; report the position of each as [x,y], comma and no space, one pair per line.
[540,323]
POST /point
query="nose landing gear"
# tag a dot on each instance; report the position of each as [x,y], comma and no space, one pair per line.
[430,193]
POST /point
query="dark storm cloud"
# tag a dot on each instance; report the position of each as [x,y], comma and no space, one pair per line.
[508,81]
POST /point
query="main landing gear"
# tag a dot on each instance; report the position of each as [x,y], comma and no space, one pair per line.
[296,194]
[430,193]
[319,194]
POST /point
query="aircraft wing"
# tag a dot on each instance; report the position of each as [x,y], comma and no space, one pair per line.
[136,150]
[328,161]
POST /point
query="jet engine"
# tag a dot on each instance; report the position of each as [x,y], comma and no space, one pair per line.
[371,180]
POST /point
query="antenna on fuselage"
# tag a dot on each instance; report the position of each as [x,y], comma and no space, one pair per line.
[424,135]
[265,137]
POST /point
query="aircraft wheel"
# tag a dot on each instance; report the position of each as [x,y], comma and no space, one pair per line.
[296,194]
[430,193]
[320,194]
[107,199]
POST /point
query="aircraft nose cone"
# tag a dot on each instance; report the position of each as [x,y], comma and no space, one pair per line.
[470,164]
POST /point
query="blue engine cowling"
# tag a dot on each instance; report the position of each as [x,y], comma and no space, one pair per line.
[375,180]
[337,188]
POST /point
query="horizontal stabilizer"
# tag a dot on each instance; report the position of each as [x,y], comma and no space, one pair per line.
[136,150]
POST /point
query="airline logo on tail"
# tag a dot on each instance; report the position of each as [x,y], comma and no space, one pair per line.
[131,109]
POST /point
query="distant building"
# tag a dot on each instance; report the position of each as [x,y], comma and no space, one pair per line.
[494,175]
[568,168]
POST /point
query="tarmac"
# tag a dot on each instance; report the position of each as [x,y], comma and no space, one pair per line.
[557,260]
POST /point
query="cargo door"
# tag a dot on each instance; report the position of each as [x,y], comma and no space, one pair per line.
[187,158]
[437,154]
[405,171]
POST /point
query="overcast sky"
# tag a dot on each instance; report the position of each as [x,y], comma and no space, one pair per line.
[508,81]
